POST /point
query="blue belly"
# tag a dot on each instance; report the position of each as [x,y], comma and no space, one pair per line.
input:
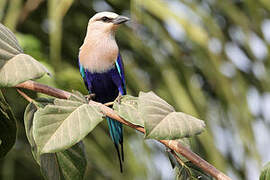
[103,87]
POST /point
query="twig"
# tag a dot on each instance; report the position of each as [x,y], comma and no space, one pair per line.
[172,144]
[34,86]
[109,104]
[25,96]
[177,158]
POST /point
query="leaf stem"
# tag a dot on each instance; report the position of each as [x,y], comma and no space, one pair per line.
[177,158]
[109,104]
[172,144]
[25,96]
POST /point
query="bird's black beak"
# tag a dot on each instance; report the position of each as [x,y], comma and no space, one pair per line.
[120,20]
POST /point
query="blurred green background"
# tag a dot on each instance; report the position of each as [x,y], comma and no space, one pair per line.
[208,58]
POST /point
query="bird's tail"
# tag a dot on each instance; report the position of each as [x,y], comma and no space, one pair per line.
[116,132]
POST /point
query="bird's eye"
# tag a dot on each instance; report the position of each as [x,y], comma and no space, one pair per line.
[105,19]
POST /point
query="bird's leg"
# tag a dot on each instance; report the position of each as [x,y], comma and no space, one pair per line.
[118,99]
[90,97]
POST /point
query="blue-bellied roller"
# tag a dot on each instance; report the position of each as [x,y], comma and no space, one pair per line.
[102,68]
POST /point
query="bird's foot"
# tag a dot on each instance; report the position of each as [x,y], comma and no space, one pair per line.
[118,99]
[90,97]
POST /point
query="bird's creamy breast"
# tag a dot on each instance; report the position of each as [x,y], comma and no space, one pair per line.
[98,55]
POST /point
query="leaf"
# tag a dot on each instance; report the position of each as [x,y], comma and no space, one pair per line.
[49,167]
[185,142]
[16,67]
[77,96]
[176,125]
[9,46]
[20,68]
[128,109]
[189,171]
[265,174]
[161,122]
[8,128]
[67,103]
[197,172]
[59,126]
[71,164]
[28,123]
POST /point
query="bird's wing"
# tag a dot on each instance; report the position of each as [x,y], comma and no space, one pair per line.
[86,78]
[120,69]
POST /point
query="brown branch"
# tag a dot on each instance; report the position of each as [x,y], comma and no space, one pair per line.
[172,144]
[25,96]
[34,86]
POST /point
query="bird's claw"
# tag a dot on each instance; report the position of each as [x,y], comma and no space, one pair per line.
[118,99]
[90,97]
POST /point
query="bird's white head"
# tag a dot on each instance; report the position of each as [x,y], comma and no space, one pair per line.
[105,22]
[99,50]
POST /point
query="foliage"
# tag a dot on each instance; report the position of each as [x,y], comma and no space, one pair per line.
[8,127]
[162,122]
[265,174]
[206,58]
[16,67]
[55,128]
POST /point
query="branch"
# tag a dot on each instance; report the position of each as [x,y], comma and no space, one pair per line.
[25,96]
[172,144]
[34,86]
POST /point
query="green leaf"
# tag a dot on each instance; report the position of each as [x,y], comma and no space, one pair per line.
[174,126]
[28,123]
[20,68]
[77,96]
[9,46]
[189,171]
[128,109]
[61,125]
[16,67]
[73,162]
[265,174]
[8,127]
[185,142]
[161,122]
[49,166]
[197,172]
[69,164]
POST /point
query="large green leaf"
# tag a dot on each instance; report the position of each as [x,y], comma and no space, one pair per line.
[73,162]
[174,126]
[28,123]
[127,108]
[49,167]
[20,68]
[9,46]
[162,122]
[8,127]
[16,67]
[61,125]
[69,164]
[265,174]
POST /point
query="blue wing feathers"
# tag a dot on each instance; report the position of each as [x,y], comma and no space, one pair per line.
[120,68]
[106,87]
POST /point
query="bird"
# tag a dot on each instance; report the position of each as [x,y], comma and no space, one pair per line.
[102,69]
